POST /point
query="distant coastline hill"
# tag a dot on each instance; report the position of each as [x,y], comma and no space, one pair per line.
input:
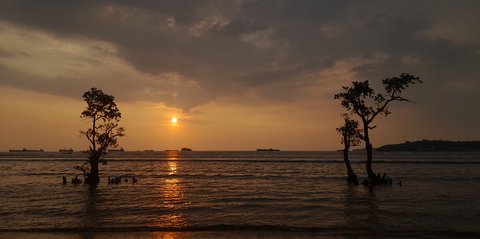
[433,145]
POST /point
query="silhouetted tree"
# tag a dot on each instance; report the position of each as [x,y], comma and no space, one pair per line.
[104,115]
[360,99]
[351,136]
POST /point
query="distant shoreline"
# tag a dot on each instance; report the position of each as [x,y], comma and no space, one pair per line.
[433,146]
[408,146]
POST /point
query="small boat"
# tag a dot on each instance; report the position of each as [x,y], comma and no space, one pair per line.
[186,149]
[65,151]
[269,149]
[116,150]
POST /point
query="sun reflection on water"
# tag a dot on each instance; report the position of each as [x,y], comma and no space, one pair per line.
[167,235]
[172,167]
[172,193]
[172,197]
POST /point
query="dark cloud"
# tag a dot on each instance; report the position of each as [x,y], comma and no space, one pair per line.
[268,47]
[4,53]
[8,54]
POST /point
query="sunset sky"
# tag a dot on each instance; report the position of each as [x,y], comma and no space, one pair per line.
[237,75]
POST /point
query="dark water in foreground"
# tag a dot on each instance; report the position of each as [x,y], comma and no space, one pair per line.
[242,194]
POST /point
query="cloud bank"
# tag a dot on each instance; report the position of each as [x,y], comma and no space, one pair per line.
[189,53]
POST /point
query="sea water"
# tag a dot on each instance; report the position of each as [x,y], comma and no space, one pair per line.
[251,194]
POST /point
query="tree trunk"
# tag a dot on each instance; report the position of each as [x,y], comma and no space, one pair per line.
[352,177]
[93,177]
[368,147]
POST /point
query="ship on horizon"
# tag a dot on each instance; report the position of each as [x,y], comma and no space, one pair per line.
[116,150]
[269,149]
[66,151]
[25,150]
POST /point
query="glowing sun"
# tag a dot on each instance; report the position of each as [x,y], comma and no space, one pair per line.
[174,120]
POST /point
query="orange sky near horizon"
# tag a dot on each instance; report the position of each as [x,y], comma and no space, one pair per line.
[42,121]
[34,121]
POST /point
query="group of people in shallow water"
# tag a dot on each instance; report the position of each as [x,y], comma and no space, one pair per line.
[117,180]
[75,180]
[111,180]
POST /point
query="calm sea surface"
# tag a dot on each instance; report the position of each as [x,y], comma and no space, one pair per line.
[251,194]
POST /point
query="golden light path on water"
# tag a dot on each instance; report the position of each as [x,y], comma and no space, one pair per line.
[172,199]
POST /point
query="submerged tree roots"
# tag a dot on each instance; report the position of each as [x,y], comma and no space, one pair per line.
[377,180]
[352,179]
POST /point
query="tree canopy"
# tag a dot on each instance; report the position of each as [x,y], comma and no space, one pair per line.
[362,100]
[350,132]
[104,115]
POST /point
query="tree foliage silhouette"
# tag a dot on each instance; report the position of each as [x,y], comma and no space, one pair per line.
[351,136]
[361,100]
[104,115]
